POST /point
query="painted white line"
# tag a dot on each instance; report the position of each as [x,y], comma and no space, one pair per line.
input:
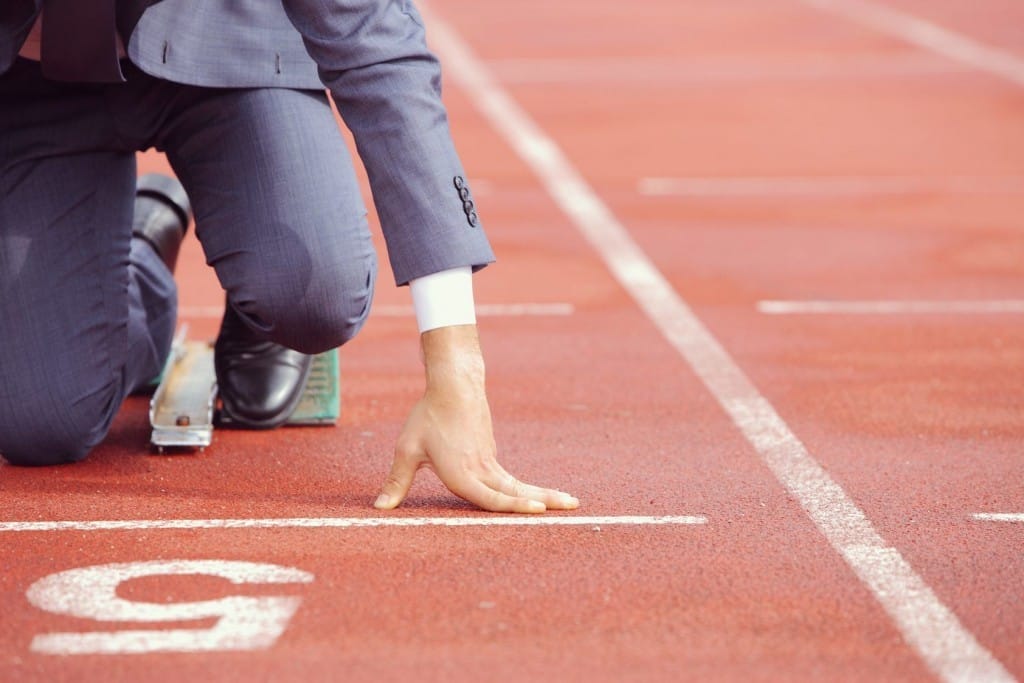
[347,523]
[653,71]
[395,311]
[980,307]
[828,187]
[927,35]
[490,310]
[925,622]
[999,516]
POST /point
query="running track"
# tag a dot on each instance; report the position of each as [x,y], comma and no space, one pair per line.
[778,262]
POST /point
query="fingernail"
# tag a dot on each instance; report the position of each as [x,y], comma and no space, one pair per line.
[383,501]
[536,506]
[569,501]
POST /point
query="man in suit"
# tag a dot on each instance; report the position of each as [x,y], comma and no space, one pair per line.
[233,92]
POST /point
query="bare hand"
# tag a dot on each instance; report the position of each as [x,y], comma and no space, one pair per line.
[449,431]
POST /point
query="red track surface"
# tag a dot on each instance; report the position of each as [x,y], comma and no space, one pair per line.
[918,417]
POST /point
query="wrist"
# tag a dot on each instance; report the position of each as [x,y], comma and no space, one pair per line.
[452,354]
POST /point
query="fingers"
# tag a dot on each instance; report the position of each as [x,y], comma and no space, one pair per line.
[463,459]
[496,491]
[503,494]
[399,480]
[475,491]
[552,499]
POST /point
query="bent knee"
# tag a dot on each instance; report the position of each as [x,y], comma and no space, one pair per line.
[325,314]
[329,329]
[32,445]
[36,434]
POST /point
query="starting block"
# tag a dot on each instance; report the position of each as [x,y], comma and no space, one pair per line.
[183,409]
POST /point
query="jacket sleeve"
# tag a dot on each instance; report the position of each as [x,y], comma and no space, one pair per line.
[372,56]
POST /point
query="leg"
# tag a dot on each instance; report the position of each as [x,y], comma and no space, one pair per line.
[281,220]
[86,313]
[278,212]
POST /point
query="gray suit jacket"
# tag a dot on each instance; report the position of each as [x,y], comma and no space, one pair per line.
[370,54]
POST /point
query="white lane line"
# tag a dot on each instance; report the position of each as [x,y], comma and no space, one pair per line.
[827,186]
[927,35]
[999,516]
[491,310]
[653,71]
[926,623]
[980,307]
[396,311]
[347,523]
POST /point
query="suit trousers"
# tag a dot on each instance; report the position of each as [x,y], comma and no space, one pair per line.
[87,313]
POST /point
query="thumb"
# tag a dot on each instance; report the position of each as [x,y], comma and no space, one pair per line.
[399,480]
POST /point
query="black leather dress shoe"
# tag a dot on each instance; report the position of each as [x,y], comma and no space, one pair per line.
[260,382]
[162,215]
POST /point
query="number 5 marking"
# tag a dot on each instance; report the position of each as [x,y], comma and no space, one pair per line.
[245,623]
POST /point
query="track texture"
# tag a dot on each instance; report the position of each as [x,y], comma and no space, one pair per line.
[754,151]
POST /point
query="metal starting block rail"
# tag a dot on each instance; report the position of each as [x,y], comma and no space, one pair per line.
[182,411]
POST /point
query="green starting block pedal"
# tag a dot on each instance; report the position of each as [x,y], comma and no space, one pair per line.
[321,401]
[181,411]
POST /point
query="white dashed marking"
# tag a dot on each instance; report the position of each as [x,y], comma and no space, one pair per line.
[891,307]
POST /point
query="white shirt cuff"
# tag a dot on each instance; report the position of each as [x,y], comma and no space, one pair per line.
[444,299]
